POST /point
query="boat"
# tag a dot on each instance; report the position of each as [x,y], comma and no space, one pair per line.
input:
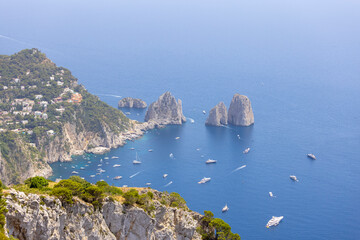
[72,167]
[225,209]
[165,175]
[116,165]
[99,165]
[74,172]
[150,150]
[117,177]
[198,149]
[294,178]
[124,185]
[312,156]
[147,184]
[132,148]
[204,180]
[271,194]
[127,113]
[171,155]
[92,175]
[89,162]
[82,168]
[136,161]
[210,161]
[246,151]
[204,112]
[238,136]
[274,221]
[177,138]
[114,157]
[106,157]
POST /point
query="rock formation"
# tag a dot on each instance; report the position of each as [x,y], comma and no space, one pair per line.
[30,216]
[240,112]
[166,110]
[218,115]
[132,103]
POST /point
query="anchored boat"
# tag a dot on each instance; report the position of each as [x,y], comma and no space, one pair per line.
[274,221]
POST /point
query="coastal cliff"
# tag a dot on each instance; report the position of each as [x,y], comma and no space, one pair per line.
[132,103]
[218,115]
[166,110]
[31,216]
[240,111]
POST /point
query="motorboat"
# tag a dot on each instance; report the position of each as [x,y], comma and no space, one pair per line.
[150,150]
[116,165]
[106,157]
[271,194]
[294,178]
[74,172]
[312,156]
[165,175]
[177,138]
[132,148]
[246,151]
[274,221]
[147,184]
[82,168]
[210,161]
[204,112]
[225,209]
[204,180]
[114,157]
[92,175]
[171,155]
[117,177]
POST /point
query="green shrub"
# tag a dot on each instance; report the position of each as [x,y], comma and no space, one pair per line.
[150,194]
[37,182]
[131,197]
[64,194]
[76,188]
[177,201]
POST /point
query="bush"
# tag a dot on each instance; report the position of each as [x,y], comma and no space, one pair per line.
[76,188]
[37,182]
[177,201]
[64,194]
[131,197]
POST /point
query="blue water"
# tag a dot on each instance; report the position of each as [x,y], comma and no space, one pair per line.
[298,61]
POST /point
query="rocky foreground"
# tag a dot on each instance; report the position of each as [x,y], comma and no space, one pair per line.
[35,217]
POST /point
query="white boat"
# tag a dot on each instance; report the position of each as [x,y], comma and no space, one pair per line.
[246,151]
[74,172]
[72,167]
[127,113]
[271,194]
[82,168]
[210,161]
[124,185]
[171,155]
[204,112]
[92,175]
[198,149]
[191,120]
[116,165]
[89,162]
[274,221]
[165,175]
[117,177]
[204,180]
[150,150]
[294,178]
[132,148]
[106,157]
[238,136]
[225,209]
[147,184]
[99,165]
[136,161]
[177,138]
[312,156]
[114,157]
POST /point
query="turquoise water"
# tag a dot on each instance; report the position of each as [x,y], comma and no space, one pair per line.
[297,61]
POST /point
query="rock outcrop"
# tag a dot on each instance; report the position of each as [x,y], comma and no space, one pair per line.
[30,216]
[132,103]
[240,112]
[166,110]
[218,115]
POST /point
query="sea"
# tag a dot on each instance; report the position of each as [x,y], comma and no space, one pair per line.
[297,61]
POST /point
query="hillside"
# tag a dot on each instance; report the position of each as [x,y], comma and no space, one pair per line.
[46,116]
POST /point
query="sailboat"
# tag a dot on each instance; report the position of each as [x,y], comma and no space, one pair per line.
[225,209]
[136,161]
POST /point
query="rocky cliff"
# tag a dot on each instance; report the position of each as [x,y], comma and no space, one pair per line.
[218,115]
[34,217]
[240,112]
[166,110]
[132,103]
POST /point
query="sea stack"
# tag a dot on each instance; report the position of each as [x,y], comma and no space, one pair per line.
[240,111]
[166,110]
[132,103]
[218,115]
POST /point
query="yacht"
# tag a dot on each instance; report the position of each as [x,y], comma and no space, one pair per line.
[82,168]
[210,161]
[165,175]
[177,138]
[106,157]
[92,175]
[246,151]
[271,194]
[116,165]
[204,112]
[274,221]
[132,148]
[312,156]
[294,178]
[114,157]
[147,184]
[225,209]
[117,177]
[74,172]
[136,161]
[150,150]
[171,155]
[204,180]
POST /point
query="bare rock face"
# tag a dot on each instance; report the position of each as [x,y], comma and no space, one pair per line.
[132,103]
[166,110]
[218,116]
[240,111]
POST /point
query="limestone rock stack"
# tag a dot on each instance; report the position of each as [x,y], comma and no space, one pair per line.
[166,110]
[132,103]
[240,112]
[218,115]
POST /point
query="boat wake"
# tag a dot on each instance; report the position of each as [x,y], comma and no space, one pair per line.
[109,95]
[135,174]
[191,120]
[237,169]
[168,184]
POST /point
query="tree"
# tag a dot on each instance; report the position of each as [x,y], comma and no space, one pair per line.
[63,194]
[131,197]
[37,182]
